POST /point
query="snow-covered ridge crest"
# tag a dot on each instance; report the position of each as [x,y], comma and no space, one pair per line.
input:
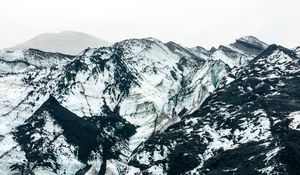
[24,60]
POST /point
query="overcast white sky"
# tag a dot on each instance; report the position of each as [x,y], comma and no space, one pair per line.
[189,22]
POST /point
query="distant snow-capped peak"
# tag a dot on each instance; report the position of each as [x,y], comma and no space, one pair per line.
[67,42]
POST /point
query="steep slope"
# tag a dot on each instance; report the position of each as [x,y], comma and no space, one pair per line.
[145,82]
[67,42]
[250,126]
[52,138]
[239,52]
[199,84]
[133,78]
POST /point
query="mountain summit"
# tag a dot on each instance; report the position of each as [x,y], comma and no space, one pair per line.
[67,42]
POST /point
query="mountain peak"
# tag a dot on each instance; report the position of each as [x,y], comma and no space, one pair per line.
[67,42]
[249,44]
[249,38]
[273,47]
[252,41]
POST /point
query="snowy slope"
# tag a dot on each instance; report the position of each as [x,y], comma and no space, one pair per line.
[199,84]
[239,52]
[250,126]
[118,97]
[67,42]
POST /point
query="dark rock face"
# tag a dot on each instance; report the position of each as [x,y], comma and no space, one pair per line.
[243,128]
[89,134]
[250,44]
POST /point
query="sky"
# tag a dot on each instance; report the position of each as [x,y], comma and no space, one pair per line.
[191,23]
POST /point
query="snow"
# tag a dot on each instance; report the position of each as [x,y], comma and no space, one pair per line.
[131,170]
[230,170]
[96,165]
[21,61]
[156,170]
[272,153]
[15,156]
[112,168]
[254,132]
[219,55]
[295,117]
[12,67]
[266,170]
[7,144]
[260,112]
[218,141]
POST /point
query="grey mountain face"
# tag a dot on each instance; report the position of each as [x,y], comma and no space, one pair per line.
[142,106]
[67,42]
[24,60]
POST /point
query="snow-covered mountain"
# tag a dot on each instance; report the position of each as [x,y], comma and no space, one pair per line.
[141,106]
[67,42]
[249,126]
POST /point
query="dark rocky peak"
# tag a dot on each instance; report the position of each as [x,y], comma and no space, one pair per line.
[201,50]
[188,57]
[212,50]
[227,50]
[250,45]
[276,48]
[177,48]
[274,61]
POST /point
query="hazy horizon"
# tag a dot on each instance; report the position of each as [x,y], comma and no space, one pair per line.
[191,23]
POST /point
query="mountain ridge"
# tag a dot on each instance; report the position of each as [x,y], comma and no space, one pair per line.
[174,97]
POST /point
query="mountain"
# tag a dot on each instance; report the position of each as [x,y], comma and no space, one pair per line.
[142,106]
[67,42]
[250,126]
